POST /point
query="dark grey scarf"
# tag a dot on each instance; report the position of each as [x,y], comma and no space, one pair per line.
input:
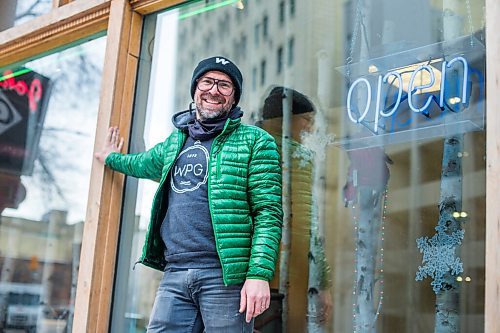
[210,128]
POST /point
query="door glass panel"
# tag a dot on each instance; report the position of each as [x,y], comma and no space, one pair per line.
[378,109]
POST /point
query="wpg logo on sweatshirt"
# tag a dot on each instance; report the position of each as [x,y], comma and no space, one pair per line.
[190,169]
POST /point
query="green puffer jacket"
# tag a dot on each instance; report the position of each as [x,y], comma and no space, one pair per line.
[244,191]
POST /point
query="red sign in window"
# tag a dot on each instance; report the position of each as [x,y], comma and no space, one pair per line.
[24,96]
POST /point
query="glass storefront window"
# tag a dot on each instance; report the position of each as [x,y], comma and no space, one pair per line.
[379,111]
[48,114]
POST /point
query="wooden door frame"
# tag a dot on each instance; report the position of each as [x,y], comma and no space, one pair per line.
[73,21]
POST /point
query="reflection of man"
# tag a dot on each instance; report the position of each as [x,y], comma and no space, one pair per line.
[217,209]
[302,173]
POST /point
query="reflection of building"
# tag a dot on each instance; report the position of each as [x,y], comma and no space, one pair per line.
[262,40]
[39,253]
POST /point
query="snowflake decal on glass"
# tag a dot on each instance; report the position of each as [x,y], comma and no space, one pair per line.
[439,257]
[304,155]
[313,144]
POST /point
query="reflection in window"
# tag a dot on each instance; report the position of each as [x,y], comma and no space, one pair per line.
[262,72]
[208,42]
[223,25]
[256,33]
[254,78]
[265,27]
[28,9]
[243,46]
[46,147]
[194,24]
[279,60]
[240,48]
[246,5]
[291,47]
[281,12]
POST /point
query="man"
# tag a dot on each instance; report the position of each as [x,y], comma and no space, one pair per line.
[216,219]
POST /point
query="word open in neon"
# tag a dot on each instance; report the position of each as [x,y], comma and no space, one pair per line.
[413,87]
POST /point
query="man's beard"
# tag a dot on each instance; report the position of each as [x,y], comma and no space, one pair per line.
[211,114]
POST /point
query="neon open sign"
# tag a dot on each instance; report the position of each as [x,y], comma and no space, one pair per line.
[426,92]
[363,85]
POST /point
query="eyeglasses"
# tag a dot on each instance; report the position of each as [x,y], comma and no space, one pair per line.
[224,87]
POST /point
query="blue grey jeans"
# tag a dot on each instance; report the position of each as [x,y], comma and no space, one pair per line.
[196,300]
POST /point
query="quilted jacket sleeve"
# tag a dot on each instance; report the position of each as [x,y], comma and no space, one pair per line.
[266,207]
[147,164]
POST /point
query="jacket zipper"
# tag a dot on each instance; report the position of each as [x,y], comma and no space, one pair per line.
[180,143]
[216,154]
[217,165]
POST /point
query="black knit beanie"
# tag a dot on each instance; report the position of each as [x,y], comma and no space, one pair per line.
[223,65]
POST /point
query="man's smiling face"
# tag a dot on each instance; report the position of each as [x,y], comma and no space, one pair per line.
[211,103]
